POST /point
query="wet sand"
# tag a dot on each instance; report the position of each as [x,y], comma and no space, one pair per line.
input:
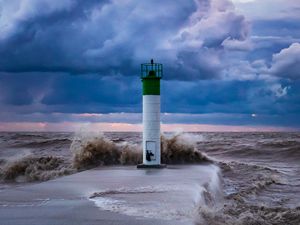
[110,195]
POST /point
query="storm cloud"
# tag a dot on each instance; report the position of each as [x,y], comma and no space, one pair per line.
[113,37]
[65,58]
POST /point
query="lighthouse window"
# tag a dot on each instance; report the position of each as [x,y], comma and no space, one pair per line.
[150,150]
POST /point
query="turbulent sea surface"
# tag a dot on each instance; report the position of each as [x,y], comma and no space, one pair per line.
[259,180]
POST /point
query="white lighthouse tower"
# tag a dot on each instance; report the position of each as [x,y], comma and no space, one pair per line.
[151,73]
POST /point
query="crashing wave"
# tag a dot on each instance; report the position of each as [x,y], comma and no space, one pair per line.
[34,169]
[89,151]
[99,151]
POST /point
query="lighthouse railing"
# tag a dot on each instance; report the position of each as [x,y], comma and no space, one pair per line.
[147,67]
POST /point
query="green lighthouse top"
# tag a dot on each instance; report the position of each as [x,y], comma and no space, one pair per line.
[151,70]
[151,73]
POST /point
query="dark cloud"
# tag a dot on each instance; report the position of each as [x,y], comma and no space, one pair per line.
[51,92]
[244,97]
[113,37]
[60,59]
[92,93]
[23,88]
[63,97]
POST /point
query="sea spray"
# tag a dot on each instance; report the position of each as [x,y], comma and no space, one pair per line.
[89,150]
[32,168]
[210,199]
[92,151]
[180,149]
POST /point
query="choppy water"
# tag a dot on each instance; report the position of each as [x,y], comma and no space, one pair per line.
[260,172]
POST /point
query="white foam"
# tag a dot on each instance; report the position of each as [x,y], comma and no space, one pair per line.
[148,201]
[174,201]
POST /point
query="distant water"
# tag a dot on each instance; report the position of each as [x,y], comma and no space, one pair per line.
[260,172]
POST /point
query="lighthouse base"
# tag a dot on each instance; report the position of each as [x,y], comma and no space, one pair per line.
[157,166]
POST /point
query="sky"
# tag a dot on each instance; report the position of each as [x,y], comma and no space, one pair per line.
[69,65]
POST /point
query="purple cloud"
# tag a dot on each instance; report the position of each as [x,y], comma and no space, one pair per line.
[218,58]
[286,63]
[112,37]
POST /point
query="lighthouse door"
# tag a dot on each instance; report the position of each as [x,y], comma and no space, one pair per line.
[150,150]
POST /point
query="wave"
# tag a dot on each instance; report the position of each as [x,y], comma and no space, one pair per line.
[93,151]
[237,214]
[243,205]
[26,136]
[259,178]
[241,182]
[99,151]
[253,152]
[34,169]
[281,143]
[44,143]
[179,149]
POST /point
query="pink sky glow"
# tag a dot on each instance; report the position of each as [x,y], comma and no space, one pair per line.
[125,127]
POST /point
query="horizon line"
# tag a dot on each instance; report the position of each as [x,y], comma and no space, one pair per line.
[130,127]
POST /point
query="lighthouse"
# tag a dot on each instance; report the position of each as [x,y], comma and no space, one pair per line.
[151,74]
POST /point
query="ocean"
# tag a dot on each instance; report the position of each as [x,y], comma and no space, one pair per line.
[255,177]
